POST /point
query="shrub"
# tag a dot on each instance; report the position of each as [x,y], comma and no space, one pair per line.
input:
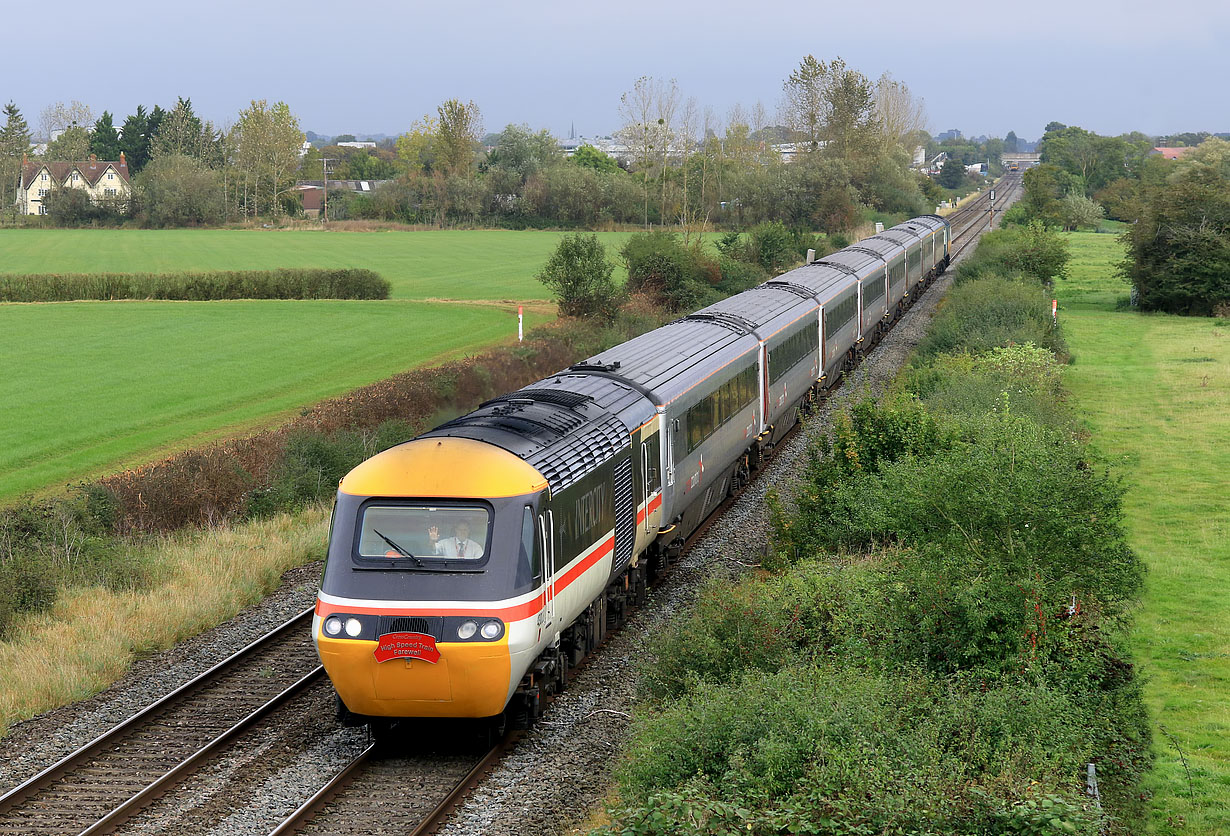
[284,283]
[984,313]
[579,275]
[1033,250]
[1179,250]
[818,749]
[677,276]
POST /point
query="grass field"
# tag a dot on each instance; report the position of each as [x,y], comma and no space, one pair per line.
[1155,393]
[90,387]
[434,264]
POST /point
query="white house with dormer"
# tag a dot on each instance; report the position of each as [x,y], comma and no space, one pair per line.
[101,179]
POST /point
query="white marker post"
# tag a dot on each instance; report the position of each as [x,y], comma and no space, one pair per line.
[1054,312]
[520,323]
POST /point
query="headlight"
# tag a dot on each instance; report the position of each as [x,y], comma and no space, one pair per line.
[491,629]
[333,625]
[353,627]
[467,629]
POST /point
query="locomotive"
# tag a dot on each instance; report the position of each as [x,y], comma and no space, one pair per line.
[469,568]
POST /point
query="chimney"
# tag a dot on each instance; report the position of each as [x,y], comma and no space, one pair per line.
[93,162]
[123,162]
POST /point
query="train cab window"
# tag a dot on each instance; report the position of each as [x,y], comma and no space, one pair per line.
[414,535]
[529,561]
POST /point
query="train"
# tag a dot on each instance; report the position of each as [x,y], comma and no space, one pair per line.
[470,569]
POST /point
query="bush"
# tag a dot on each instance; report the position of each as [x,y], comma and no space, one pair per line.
[822,750]
[659,265]
[579,275]
[285,283]
[74,207]
[1179,250]
[177,190]
[984,313]
[45,544]
[1034,251]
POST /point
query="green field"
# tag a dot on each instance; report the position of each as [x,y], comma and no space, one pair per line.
[92,386]
[434,264]
[1155,392]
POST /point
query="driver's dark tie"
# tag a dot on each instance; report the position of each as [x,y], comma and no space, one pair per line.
[461,548]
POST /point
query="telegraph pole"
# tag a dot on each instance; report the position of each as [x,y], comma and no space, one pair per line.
[324,169]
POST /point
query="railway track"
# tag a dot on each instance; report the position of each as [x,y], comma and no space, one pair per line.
[101,785]
[106,782]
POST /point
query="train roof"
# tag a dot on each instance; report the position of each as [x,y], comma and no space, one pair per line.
[668,361]
[886,248]
[764,309]
[932,222]
[824,281]
[563,434]
[860,261]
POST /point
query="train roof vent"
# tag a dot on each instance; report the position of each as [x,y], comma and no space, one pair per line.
[836,265]
[594,367]
[555,396]
[791,287]
[578,454]
[732,321]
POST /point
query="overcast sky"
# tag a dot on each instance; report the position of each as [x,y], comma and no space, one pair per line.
[375,66]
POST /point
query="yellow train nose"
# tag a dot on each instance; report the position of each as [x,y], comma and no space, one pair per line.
[471,679]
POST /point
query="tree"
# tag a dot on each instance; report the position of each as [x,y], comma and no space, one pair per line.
[417,147]
[460,126]
[179,190]
[1179,250]
[104,139]
[267,140]
[182,133]
[587,156]
[14,145]
[343,138]
[648,112]
[805,107]
[134,139]
[580,275]
[60,117]
[522,152]
[71,145]
[1011,144]
[900,114]
[1080,211]
[952,174]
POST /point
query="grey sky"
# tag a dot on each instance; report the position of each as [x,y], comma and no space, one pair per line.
[377,65]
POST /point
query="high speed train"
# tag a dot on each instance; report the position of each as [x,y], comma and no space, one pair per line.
[469,568]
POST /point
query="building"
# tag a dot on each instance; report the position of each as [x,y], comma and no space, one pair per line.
[101,180]
[312,192]
[1170,153]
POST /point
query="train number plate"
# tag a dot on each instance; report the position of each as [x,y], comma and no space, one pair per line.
[406,646]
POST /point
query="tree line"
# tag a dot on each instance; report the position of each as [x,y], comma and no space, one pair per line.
[685,165]
[1176,211]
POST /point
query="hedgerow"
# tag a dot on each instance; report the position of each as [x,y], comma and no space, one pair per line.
[936,641]
[284,283]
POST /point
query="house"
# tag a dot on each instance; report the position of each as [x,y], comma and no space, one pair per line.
[101,179]
[1170,153]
